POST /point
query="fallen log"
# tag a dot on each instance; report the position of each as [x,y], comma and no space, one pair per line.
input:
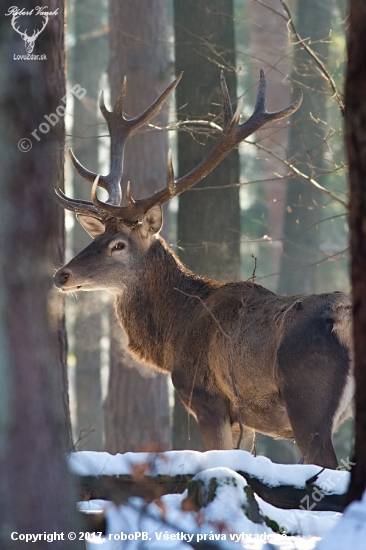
[311,497]
[119,488]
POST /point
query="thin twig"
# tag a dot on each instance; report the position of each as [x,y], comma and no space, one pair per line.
[253,275]
[308,265]
[324,71]
[326,74]
[300,174]
[207,309]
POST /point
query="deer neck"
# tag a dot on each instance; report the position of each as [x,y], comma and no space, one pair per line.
[155,311]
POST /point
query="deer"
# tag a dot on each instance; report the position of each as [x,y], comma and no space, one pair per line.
[241,358]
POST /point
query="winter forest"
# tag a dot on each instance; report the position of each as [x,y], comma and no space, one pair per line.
[97,448]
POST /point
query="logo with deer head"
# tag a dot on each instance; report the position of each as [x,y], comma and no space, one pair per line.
[16,22]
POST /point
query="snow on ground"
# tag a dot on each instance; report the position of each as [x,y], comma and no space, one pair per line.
[191,462]
[224,520]
[350,530]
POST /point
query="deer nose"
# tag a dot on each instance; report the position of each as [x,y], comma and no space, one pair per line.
[61,277]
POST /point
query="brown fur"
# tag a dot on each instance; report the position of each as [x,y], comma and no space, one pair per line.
[288,357]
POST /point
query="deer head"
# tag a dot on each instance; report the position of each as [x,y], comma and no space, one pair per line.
[29,41]
[123,233]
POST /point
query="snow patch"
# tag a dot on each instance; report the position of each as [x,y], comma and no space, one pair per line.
[173,463]
[350,531]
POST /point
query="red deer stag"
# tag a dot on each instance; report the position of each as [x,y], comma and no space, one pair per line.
[241,358]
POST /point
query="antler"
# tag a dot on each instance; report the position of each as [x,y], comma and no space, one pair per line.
[119,130]
[233,133]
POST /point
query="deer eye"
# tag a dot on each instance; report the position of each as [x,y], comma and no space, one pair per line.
[119,246]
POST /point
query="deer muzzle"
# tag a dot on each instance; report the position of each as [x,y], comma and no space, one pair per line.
[63,279]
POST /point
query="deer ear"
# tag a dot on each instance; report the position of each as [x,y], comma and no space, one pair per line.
[92,225]
[152,221]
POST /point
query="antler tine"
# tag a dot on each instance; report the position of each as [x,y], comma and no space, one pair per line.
[77,206]
[260,115]
[170,181]
[136,208]
[111,182]
[233,133]
[84,172]
[129,198]
[118,107]
[115,194]
[99,205]
[120,129]
[152,110]
[260,103]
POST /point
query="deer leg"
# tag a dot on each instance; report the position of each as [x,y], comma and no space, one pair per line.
[311,426]
[317,449]
[313,437]
[247,443]
[313,366]
[212,412]
[214,423]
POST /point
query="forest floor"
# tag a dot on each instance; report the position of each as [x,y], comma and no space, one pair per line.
[228,513]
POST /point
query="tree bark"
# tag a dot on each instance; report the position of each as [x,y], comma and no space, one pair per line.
[89,59]
[270,50]
[356,152]
[208,220]
[306,139]
[33,420]
[137,410]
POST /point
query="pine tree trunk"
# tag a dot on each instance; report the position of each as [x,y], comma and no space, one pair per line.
[137,413]
[208,220]
[137,410]
[270,51]
[306,150]
[33,417]
[356,151]
[89,59]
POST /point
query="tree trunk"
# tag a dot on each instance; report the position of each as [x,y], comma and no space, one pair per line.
[137,411]
[356,151]
[270,50]
[303,211]
[208,220]
[33,417]
[89,59]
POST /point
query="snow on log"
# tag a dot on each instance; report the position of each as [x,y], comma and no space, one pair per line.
[217,501]
[151,475]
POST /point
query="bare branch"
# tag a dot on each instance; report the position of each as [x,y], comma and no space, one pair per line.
[324,71]
[326,259]
[300,174]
